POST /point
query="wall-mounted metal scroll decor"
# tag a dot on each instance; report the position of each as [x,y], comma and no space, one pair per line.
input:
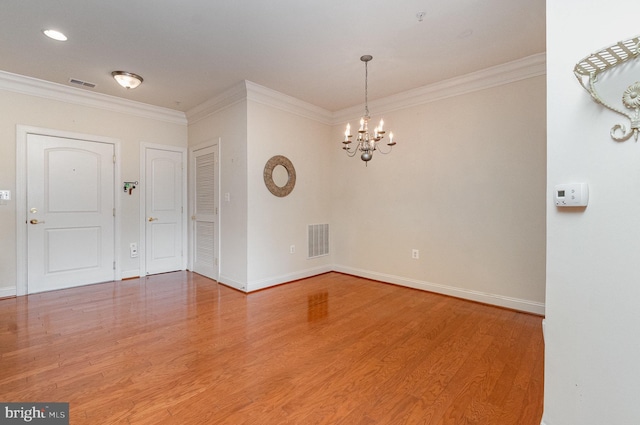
[588,70]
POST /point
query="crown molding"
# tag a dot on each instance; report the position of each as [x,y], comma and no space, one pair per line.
[267,96]
[54,91]
[521,69]
[229,97]
[259,94]
[529,67]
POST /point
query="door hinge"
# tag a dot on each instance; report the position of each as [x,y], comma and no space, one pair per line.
[216,210]
[114,159]
[114,265]
[114,212]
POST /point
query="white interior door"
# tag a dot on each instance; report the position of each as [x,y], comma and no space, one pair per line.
[164,209]
[205,211]
[70,212]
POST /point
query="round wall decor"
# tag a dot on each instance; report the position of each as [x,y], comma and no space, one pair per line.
[268,176]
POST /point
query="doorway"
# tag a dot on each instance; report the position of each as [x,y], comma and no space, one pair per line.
[66,209]
[204,210]
[163,197]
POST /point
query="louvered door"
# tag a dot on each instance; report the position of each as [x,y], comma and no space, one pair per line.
[205,212]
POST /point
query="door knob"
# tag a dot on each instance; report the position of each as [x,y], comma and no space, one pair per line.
[152,219]
[34,221]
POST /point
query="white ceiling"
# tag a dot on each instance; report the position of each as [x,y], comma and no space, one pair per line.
[189,51]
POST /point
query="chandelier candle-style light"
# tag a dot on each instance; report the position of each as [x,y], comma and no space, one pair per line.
[367,141]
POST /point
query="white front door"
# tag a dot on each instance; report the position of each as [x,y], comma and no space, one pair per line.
[205,211]
[164,211]
[70,212]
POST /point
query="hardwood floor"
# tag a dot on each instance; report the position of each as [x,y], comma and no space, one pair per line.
[333,349]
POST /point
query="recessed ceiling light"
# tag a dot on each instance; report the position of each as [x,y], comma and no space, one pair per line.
[55,35]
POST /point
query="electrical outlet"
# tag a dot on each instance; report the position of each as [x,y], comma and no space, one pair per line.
[292,249]
[415,254]
[5,195]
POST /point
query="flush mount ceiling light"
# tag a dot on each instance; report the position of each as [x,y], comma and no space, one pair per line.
[127,80]
[367,142]
[54,35]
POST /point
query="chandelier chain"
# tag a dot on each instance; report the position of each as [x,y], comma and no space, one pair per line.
[366,88]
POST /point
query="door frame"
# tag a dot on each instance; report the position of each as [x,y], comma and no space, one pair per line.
[22,132]
[192,204]
[142,249]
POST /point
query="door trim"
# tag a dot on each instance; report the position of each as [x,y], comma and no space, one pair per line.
[207,144]
[22,132]
[142,249]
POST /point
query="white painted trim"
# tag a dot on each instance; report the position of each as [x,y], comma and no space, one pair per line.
[7,292]
[529,67]
[486,298]
[466,294]
[269,97]
[143,191]
[22,132]
[247,90]
[277,280]
[117,206]
[226,280]
[226,99]
[192,203]
[59,92]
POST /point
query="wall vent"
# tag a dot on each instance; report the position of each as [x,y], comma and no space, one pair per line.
[318,240]
[82,83]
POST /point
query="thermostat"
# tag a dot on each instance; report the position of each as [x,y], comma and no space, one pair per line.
[571,195]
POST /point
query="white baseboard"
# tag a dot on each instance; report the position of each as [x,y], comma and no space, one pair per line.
[277,280]
[493,299]
[8,291]
[226,280]
[467,294]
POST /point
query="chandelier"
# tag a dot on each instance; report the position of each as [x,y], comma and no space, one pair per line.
[367,141]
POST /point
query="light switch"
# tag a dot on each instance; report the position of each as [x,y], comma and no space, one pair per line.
[5,195]
[133,249]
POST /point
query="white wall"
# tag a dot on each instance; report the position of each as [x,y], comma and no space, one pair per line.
[593,278]
[258,228]
[276,223]
[465,185]
[129,128]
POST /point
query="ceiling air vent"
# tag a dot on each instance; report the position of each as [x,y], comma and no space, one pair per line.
[82,83]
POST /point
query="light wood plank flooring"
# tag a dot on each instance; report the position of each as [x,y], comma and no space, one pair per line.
[333,349]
